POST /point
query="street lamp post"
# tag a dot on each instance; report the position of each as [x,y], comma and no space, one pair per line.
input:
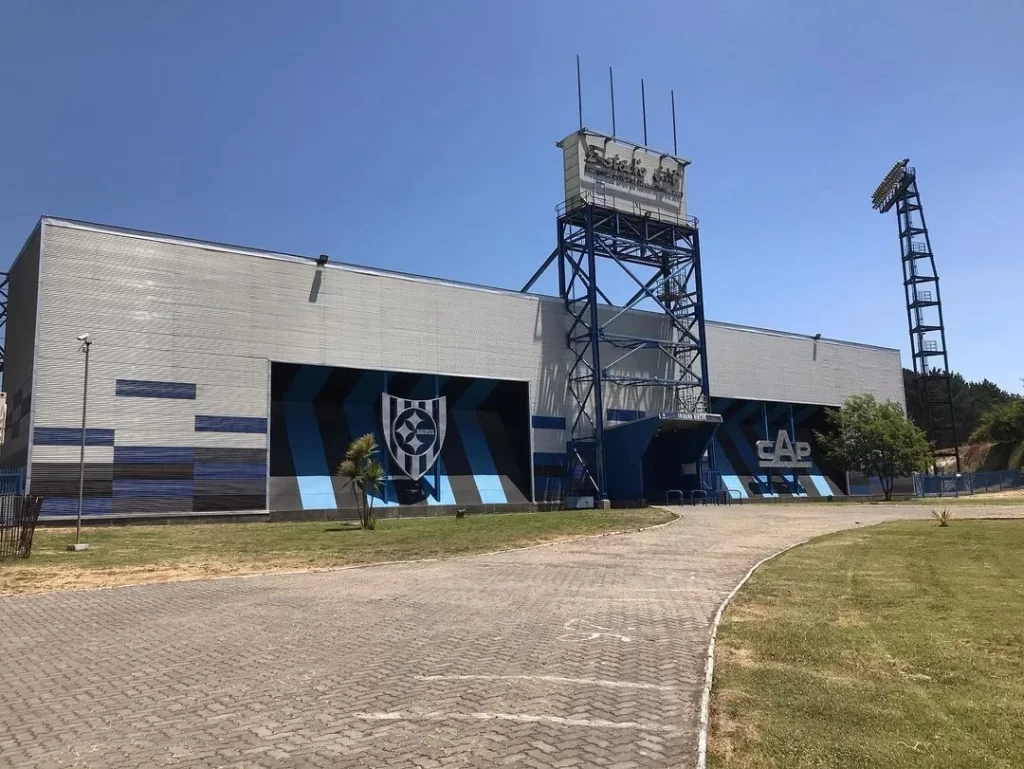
[78,546]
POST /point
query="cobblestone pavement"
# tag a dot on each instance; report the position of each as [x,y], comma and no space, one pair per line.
[582,654]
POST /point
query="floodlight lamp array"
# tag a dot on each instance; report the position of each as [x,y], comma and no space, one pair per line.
[882,198]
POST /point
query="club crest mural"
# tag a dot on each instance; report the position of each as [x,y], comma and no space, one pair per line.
[443,440]
[415,432]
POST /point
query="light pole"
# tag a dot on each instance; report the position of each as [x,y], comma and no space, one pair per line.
[78,546]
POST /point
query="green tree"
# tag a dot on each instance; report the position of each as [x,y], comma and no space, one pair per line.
[970,400]
[1002,422]
[364,474]
[876,439]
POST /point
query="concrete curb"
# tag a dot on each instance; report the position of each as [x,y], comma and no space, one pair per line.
[709,664]
[676,517]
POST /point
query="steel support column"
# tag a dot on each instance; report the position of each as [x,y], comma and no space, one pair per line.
[660,260]
[595,358]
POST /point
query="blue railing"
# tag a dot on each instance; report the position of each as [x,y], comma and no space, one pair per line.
[12,481]
[712,491]
[967,483]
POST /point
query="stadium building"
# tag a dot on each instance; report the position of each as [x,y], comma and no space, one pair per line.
[230,380]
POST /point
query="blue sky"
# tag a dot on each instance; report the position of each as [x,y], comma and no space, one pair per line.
[420,136]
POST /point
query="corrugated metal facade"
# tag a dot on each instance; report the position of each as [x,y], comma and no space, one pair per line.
[184,333]
[19,352]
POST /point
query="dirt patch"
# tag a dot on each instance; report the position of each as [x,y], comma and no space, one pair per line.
[48,580]
[836,678]
[850,619]
[1010,494]
[190,552]
[750,612]
[738,656]
[730,735]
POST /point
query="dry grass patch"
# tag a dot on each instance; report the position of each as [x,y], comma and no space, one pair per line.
[728,731]
[124,555]
[735,655]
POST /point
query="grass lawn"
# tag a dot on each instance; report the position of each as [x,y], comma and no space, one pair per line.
[995,498]
[120,555]
[900,645]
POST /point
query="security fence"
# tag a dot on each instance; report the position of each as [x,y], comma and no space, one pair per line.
[967,483]
[860,485]
[18,517]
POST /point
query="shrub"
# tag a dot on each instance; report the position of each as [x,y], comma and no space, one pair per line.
[1002,422]
[944,517]
[876,439]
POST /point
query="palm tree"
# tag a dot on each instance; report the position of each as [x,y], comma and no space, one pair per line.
[364,474]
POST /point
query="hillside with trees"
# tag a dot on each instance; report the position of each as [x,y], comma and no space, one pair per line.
[987,416]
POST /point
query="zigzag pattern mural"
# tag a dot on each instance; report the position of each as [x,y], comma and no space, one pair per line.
[444,440]
[743,471]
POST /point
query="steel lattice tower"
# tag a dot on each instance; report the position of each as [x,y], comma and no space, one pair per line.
[4,289]
[660,257]
[924,306]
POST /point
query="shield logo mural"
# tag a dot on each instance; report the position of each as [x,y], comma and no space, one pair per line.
[414,430]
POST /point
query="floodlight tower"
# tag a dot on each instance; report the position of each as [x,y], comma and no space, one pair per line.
[924,305]
[4,288]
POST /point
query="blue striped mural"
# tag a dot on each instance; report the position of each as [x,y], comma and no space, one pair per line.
[157,480]
[311,471]
[222,424]
[154,480]
[65,506]
[233,472]
[72,436]
[143,388]
[747,422]
[485,474]
[153,488]
[164,455]
[360,410]
[548,423]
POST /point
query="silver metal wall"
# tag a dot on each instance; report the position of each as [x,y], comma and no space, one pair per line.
[759,364]
[19,344]
[162,309]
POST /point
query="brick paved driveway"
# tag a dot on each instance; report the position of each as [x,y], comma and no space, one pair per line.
[586,653]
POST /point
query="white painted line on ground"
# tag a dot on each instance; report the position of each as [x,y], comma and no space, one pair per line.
[709,665]
[552,679]
[593,633]
[522,718]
